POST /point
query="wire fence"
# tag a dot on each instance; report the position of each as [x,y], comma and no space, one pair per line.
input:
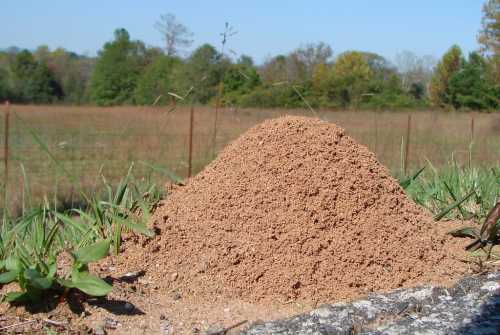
[92,142]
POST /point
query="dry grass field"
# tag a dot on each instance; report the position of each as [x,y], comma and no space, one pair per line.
[91,141]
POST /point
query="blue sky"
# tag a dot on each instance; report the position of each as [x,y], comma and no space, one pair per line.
[265,27]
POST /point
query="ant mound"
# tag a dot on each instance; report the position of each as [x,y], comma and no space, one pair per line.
[293,209]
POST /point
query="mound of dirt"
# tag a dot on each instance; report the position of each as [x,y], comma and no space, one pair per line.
[293,209]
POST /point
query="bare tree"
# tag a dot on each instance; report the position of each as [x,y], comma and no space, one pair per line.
[313,54]
[489,36]
[176,35]
[298,65]
[414,69]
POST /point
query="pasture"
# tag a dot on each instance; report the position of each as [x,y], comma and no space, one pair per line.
[91,142]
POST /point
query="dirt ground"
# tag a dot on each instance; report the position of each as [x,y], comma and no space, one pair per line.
[137,305]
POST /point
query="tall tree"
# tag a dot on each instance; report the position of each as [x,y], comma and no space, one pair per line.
[320,76]
[241,78]
[33,81]
[4,84]
[24,64]
[70,70]
[415,71]
[351,75]
[175,35]
[115,75]
[22,67]
[307,57]
[451,63]
[245,60]
[274,69]
[42,87]
[156,80]
[42,53]
[200,74]
[489,38]
[470,88]
[382,68]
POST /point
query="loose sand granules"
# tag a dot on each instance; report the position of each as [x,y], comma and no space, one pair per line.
[293,209]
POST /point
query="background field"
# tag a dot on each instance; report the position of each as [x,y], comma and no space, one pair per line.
[91,140]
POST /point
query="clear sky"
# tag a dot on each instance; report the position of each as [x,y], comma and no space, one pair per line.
[265,27]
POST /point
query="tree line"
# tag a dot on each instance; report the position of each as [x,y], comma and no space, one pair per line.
[127,71]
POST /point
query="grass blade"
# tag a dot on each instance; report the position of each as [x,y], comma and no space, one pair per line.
[408,181]
[454,205]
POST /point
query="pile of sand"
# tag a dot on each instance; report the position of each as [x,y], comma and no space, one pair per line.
[293,209]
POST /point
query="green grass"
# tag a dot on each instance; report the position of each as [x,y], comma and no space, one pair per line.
[31,244]
[457,192]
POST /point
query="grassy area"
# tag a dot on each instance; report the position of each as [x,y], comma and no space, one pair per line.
[91,142]
[47,250]
[476,188]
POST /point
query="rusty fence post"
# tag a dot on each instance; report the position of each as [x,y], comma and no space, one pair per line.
[407,147]
[190,153]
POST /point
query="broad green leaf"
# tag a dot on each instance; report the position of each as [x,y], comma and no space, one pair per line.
[13,264]
[52,270]
[37,280]
[8,277]
[17,297]
[91,285]
[65,283]
[92,252]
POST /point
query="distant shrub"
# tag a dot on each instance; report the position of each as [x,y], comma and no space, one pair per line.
[156,80]
[272,97]
[390,100]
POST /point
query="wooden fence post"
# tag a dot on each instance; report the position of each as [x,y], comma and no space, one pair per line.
[190,154]
[407,148]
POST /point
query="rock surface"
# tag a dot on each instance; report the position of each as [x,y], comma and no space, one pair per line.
[472,306]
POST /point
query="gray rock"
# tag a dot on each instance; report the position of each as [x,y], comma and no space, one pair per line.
[472,306]
[214,330]
[165,327]
[99,330]
[110,323]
